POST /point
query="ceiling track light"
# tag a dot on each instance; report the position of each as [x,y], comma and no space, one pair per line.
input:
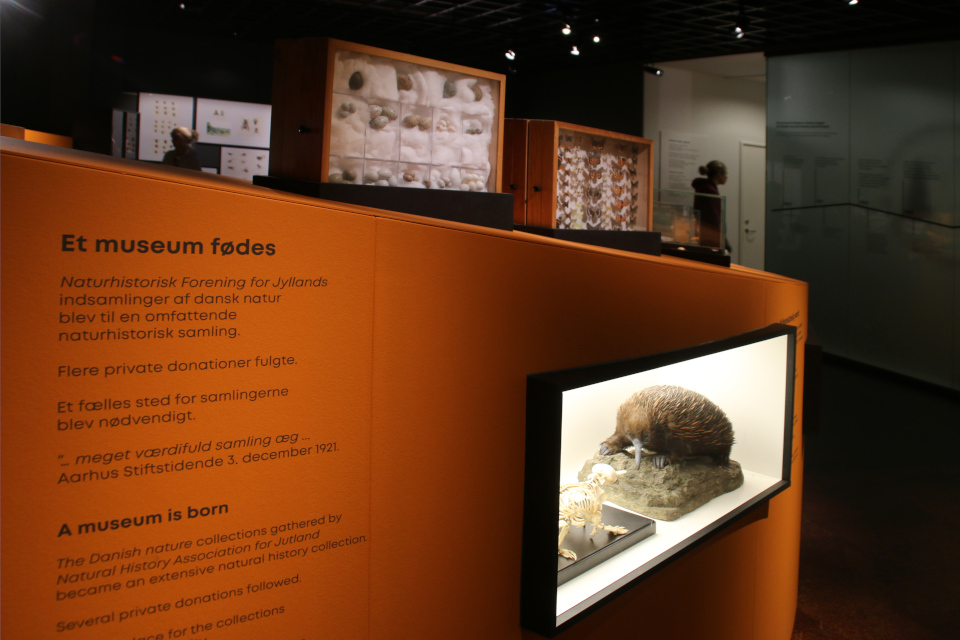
[656,71]
[741,26]
[742,23]
[510,55]
[596,38]
[853,2]
[566,30]
[574,51]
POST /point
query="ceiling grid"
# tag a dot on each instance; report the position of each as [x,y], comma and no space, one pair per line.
[477,32]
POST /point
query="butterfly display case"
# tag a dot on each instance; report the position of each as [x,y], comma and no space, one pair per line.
[567,176]
[353,114]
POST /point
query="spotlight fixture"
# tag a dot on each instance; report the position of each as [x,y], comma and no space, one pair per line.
[853,2]
[653,70]
[596,38]
[566,30]
[742,23]
[574,51]
[183,5]
[510,55]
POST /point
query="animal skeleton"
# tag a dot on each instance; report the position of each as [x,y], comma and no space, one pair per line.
[581,503]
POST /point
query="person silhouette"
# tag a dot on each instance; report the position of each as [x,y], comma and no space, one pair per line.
[708,203]
[183,154]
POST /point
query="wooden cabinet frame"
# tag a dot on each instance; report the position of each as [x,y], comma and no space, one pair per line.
[531,165]
[304,105]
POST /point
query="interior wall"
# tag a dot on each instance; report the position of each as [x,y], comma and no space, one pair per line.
[398,344]
[45,63]
[63,72]
[725,111]
[65,67]
[862,173]
[570,95]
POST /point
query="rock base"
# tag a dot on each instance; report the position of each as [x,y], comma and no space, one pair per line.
[668,493]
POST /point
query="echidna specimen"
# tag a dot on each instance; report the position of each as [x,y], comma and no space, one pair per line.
[673,421]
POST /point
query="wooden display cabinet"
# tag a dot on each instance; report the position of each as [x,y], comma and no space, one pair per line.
[567,176]
[344,112]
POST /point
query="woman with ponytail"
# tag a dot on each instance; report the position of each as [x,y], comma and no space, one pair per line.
[708,204]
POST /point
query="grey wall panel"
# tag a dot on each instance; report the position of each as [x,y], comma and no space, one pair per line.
[902,130]
[830,300]
[956,309]
[812,245]
[808,125]
[956,133]
[901,285]
[862,174]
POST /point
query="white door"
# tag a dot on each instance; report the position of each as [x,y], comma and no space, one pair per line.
[753,187]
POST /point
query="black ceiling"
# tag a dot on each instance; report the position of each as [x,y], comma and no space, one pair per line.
[477,32]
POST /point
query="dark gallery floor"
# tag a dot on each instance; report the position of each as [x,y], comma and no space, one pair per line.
[880,544]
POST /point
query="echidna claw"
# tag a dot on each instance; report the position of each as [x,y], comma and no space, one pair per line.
[638,448]
[660,461]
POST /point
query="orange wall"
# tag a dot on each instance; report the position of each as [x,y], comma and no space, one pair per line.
[413,359]
[11,131]
[19,133]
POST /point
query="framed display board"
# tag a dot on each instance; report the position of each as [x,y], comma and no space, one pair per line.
[243,163]
[224,122]
[716,414]
[159,115]
[568,176]
[378,117]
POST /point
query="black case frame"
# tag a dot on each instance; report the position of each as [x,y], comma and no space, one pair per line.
[538,606]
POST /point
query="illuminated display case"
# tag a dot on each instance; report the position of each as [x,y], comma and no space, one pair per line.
[349,113]
[749,377]
[692,225]
[567,176]
[678,216]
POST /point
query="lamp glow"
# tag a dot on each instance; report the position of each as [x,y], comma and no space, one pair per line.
[596,38]
[566,30]
[574,51]
[510,55]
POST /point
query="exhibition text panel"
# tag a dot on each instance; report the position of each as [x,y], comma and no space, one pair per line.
[184,393]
